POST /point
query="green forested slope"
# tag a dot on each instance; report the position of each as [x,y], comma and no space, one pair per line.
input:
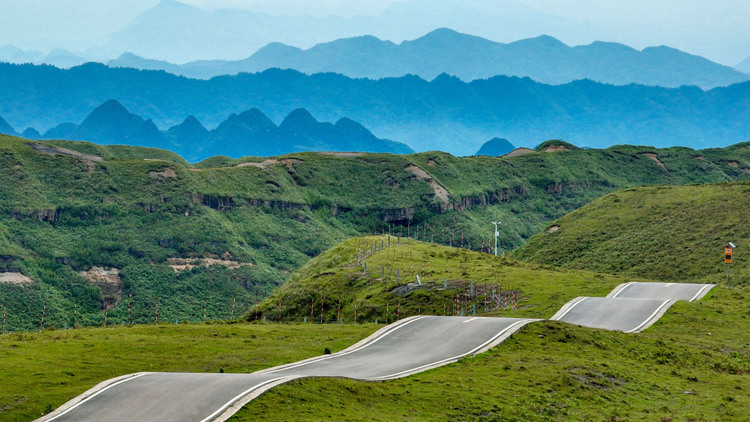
[138,210]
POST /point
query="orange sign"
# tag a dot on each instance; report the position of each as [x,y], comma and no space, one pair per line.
[727,254]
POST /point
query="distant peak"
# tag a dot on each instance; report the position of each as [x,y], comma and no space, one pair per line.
[299,116]
[255,118]
[111,107]
[192,122]
[541,41]
[442,32]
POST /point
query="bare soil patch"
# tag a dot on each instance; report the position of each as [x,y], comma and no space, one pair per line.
[263,165]
[106,279]
[519,151]
[182,264]
[166,173]
[54,150]
[15,278]
[440,192]
[653,157]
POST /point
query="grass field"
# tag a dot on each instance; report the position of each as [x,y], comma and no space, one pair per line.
[41,371]
[692,365]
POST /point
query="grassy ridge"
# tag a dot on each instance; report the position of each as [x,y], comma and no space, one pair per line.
[388,286]
[139,208]
[668,233]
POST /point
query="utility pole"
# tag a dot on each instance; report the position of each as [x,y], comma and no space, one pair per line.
[497,233]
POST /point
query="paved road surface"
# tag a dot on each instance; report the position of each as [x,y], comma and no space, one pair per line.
[675,291]
[411,345]
[630,307]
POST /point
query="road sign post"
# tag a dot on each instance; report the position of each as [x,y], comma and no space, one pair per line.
[728,252]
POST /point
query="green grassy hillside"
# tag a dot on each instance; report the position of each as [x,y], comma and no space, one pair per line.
[136,212]
[675,233]
[382,286]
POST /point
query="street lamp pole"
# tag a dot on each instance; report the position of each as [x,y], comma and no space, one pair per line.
[496,234]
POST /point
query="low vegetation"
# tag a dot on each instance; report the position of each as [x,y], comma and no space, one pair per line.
[137,211]
[41,371]
[382,278]
[692,365]
[673,233]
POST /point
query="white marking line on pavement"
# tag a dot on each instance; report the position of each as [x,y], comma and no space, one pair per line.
[668,284]
[700,291]
[649,317]
[470,319]
[623,288]
[569,309]
[429,365]
[322,358]
[241,395]
[96,394]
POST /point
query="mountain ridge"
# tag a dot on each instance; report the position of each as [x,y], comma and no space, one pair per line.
[444,114]
[250,133]
[543,58]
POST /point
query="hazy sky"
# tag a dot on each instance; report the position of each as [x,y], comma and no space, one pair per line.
[716,29]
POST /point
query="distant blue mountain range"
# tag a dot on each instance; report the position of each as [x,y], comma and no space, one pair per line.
[250,133]
[443,114]
[543,59]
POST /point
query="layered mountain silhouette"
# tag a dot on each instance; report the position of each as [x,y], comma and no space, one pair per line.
[543,59]
[496,147]
[248,133]
[443,114]
[744,66]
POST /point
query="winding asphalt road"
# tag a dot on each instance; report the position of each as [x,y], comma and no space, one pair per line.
[630,307]
[406,347]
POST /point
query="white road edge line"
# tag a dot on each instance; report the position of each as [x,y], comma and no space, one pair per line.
[96,394]
[558,318]
[239,396]
[701,291]
[470,319]
[649,317]
[622,287]
[336,355]
[433,364]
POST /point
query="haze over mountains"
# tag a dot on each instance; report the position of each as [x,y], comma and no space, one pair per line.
[250,133]
[543,59]
[443,114]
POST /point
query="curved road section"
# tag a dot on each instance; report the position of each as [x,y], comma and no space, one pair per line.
[406,347]
[411,345]
[630,307]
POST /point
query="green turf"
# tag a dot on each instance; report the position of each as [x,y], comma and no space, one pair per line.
[41,371]
[334,283]
[692,365]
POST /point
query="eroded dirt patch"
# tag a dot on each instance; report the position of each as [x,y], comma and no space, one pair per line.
[15,278]
[106,279]
[553,229]
[263,165]
[733,164]
[557,148]
[519,151]
[182,264]
[54,150]
[440,192]
[653,157]
[166,173]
